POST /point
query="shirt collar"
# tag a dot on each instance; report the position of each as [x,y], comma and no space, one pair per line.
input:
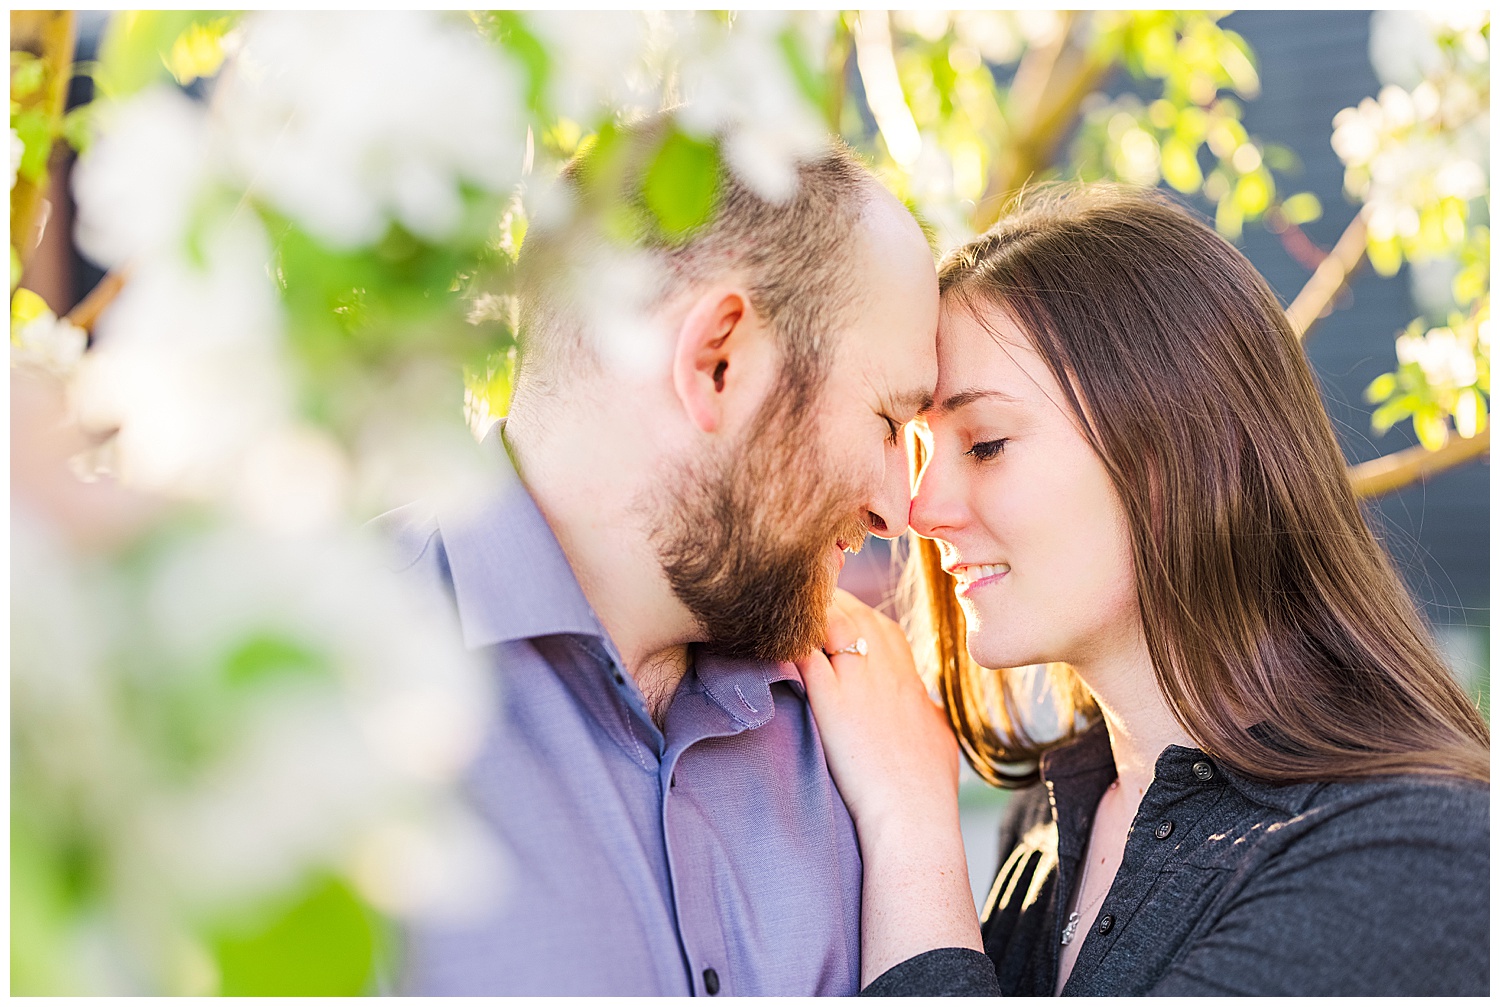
[1084,766]
[510,576]
[741,687]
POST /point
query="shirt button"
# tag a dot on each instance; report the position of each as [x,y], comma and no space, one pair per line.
[1204,770]
[711,982]
[1106,924]
[1163,830]
[619,678]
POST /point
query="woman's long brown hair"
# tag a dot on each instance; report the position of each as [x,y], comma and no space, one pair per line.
[1282,638]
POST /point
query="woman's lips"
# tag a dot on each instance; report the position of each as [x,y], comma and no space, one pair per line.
[976,575]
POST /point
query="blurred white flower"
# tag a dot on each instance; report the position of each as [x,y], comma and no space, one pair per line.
[347,121]
[1425,138]
[443,867]
[294,481]
[1444,358]
[140,180]
[189,365]
[325,757]
[289,796]
[50,343]
[738,81]
[596,67]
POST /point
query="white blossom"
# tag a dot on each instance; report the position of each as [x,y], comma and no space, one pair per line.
[50,343]
[318,763]
[140,182]
[189,365]
[737,81]
[597,64]
[1444,358]
[346,122]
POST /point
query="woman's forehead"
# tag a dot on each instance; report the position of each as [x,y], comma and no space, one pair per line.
[986,350]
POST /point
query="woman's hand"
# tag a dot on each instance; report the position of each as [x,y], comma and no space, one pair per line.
[896,764]
[888,746]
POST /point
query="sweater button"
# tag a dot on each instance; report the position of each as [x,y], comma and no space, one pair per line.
[1163,830]
[1204,770]
[711,982]
[1106,924]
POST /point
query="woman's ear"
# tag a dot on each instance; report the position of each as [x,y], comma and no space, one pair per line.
[710,361]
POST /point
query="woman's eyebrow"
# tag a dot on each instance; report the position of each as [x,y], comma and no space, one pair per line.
[960,399]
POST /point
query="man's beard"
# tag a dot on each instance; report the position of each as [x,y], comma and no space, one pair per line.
[745,544]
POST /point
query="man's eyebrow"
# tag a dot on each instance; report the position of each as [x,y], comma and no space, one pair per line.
[960,399]
[913,401]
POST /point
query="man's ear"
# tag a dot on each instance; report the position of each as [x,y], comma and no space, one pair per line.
[712,354]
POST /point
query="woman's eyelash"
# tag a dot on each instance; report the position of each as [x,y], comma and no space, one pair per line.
[985,450]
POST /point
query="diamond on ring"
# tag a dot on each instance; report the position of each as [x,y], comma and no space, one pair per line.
[859,646]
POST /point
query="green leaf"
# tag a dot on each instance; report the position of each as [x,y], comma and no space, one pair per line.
[682,183]
[1179,165]
[1390,414]
[322,943]
[509,29]
[271,655]
[138,47]
[809,80]
[1302,208]
[1385,255]
[26,75]
[1381,388]
[34,127]
[1253,194]
[78,127]
[1431,427]
[1229,219]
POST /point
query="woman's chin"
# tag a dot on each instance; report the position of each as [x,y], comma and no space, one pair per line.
[989,653]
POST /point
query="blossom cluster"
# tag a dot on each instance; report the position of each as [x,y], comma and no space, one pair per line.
[1418,152]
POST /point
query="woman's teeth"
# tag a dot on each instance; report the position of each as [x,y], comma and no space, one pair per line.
[970,574]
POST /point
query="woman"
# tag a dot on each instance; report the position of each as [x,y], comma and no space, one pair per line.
[1268,782]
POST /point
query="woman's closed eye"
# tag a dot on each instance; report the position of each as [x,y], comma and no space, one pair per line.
[985,450]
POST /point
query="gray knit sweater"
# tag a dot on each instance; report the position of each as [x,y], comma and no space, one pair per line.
[1231,886]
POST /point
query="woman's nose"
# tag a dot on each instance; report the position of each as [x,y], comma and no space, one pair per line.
[937,504]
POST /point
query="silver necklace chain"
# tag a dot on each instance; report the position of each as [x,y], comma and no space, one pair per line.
[1072,925]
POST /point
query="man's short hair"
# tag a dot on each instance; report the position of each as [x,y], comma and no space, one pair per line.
[797,257]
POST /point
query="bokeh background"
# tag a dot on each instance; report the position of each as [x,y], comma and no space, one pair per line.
[260,277]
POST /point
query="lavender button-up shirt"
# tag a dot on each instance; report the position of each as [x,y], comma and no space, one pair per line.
[712,857]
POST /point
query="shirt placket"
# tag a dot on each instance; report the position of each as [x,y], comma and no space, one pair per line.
[687,828]
[690,829]
[1167,815]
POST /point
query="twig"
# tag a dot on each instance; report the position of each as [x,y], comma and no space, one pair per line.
[1393,471]
[87,311]
[1329,278]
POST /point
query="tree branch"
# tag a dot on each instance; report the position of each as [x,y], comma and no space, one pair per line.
[1049,86]
[1316,297]
[50,36]
[87,311]
[1393,471]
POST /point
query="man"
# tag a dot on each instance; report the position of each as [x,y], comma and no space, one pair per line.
[663,540]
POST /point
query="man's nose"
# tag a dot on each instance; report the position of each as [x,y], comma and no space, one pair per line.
[890,510]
